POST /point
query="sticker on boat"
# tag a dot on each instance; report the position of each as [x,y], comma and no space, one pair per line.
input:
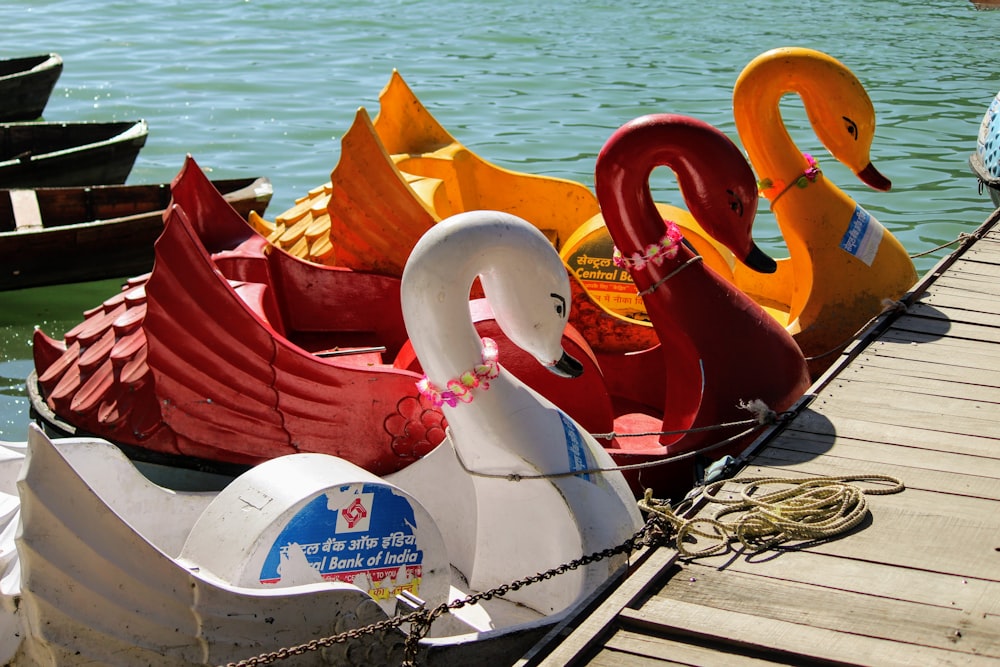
[588,254]
[863,236]
[361,534]
[576,448]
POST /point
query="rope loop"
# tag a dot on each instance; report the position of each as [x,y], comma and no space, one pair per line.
[655,286]
[808,509]
[888,306]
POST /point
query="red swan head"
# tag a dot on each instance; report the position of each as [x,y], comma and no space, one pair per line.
[707,164]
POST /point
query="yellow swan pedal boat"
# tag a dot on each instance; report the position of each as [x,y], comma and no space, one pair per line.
[842,263]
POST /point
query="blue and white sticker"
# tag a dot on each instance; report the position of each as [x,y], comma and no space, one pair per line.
[363,534]
[576,448]
[863,236]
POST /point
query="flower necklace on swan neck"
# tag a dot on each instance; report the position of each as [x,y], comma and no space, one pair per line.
[809,175]
[655,252]
[460,389]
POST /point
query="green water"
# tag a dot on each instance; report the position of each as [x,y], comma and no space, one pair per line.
[267,87]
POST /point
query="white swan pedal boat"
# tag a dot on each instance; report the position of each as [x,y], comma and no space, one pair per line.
[103,566]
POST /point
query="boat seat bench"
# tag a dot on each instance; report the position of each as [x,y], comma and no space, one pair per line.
[27,215]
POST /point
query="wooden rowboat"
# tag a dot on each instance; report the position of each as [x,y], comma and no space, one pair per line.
[96,232]
[26,84]
[36,155]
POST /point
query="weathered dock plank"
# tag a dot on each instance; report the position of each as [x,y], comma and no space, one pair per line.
[929,469]
[797,630]
[975,444]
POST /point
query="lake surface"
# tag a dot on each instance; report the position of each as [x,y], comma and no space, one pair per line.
[267,87]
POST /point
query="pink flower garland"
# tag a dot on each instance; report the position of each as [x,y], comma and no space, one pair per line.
[460,388]
[808,176]
[655,253]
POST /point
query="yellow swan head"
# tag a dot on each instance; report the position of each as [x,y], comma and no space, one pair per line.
[835,101]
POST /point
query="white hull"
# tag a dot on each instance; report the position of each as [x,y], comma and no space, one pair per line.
[94,577]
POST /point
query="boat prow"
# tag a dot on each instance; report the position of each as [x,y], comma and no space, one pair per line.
[50,154]
[26,84]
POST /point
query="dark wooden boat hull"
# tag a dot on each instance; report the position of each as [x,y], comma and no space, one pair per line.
[94,233]
[26,85]
[36,155]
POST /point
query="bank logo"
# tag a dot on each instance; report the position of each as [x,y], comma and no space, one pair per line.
[356,517]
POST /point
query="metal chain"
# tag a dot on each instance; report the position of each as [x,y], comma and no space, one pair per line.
[656,531]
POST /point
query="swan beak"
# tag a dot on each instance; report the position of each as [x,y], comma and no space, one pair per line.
[760,261]
[871,177]
[567,367]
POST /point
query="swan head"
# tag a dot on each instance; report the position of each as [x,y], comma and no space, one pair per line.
[717,183]
[522,276]
[529,291]
[838,107]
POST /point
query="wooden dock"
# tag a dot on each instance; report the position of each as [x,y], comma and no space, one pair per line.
[917,583]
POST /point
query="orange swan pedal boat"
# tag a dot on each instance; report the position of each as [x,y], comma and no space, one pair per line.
[232,352]
[842,263]
[822,315]
[403,172]
[721,350]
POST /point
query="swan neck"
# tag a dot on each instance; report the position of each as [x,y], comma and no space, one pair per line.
[624,169]
[445,339]
[756,108]
[435,302]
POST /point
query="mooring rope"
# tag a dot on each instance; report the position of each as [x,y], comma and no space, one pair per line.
[961,237]
[655,286]
[809,509]
[888,306]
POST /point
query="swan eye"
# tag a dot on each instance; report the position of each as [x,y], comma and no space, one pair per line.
[560,304]
[852,127]
[735,204]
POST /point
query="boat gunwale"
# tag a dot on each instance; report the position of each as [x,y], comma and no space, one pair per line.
[134,131]
[252,188]
[43,62]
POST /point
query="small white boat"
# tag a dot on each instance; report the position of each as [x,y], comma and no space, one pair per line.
[102,566]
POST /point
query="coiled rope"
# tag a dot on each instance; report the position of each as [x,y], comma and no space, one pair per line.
[804,510]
